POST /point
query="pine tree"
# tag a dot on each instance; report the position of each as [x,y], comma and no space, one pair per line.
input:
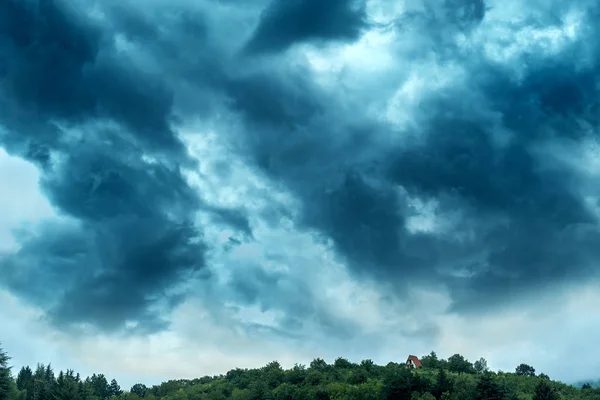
[39,391]
[25,378]
[114,389]
[66,386]
[5,376]
[99,386]
[85,391]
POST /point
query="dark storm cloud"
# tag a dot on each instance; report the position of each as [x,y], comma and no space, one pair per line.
[101,130]
[100,123]
[106,274]
[531,228]
[464,12]
[522,222]
[98,181]
[59,66]
[288,22]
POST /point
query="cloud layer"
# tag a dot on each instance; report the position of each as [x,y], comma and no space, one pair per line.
[300,170]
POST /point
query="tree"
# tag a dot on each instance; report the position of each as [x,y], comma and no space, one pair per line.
[66,386]
[459,364]
[272,374]
[5,376]
[430,361]
[85,391]
[422,396]
[464,387]
[342,363]
[442,384]
[399,382]
[508,392]
[525,370]
[114,389]
[25,379]
[140,389]
[337,381]
[358,377]
[285,391]
[480,365]
[319,364]
[296,375]
[99,385]
[44,384]
[543,391]
[367,365]
[488,388]
[259,390]
[314,378]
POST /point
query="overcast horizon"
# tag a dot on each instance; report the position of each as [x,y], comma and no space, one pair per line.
[187,187]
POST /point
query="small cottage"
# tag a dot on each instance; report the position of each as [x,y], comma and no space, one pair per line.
[413,362]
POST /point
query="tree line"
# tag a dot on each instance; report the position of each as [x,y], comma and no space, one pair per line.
[455,378]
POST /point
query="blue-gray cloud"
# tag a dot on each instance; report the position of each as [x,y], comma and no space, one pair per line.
[524,225]
[101,131]
[285,23]
[102,126]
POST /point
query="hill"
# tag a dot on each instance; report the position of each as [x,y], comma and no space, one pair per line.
[593,383]
[436,379]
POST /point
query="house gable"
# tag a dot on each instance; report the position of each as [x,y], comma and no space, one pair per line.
[413,362]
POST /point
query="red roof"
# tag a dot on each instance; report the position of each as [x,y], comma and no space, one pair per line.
[415,360]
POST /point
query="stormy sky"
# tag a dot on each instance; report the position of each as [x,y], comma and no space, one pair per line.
[192,186]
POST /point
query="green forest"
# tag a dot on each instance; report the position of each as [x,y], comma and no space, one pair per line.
[453,379]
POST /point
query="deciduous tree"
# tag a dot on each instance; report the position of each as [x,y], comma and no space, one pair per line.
[544,391]
[480,365]
[525,370]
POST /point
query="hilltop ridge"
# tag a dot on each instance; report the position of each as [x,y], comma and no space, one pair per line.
[427,378]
